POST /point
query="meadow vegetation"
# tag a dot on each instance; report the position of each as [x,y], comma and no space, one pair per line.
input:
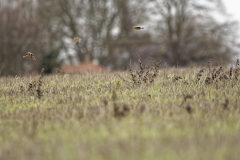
[147,113]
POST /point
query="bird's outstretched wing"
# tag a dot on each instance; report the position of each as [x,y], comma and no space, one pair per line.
[137,27]
[76,40]
[30,55]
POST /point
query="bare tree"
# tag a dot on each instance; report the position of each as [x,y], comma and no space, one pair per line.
[20,32]
[130,13]
[180,32]
[95,22]
[191,34]
[91,20]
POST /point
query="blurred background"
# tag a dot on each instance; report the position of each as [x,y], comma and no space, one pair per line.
[180,33]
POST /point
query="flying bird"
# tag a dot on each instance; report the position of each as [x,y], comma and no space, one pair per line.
[76,40]
[30,55]
[137,27]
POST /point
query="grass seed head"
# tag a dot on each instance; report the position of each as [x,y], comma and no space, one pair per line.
[237,63]
[120,110]
[225,104]
[209,66]
[189,109]
[199,75]
[231,72]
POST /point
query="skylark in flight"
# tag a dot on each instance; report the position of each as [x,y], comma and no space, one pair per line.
[137,27]
[30,55]
[76,40]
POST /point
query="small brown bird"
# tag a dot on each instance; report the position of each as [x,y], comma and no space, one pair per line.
[30,55]
[76,40]
[137,28]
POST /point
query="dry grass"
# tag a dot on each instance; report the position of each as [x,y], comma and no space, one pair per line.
[179,115]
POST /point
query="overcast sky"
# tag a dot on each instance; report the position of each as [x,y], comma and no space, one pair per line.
[233,8]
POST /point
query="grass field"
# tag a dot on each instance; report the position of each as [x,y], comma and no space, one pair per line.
[181,115]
